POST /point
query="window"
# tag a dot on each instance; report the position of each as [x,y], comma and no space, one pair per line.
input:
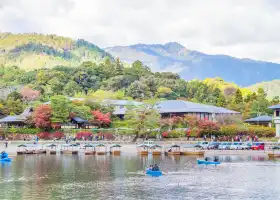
[277,113]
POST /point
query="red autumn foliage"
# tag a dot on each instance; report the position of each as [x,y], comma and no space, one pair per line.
[56,125]
[58,135]
[208,127]
[45,135]
[164,134]
[101,118]
[29,95]
[86,135]
[42,116]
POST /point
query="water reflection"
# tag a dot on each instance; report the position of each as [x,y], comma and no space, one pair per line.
[111,177]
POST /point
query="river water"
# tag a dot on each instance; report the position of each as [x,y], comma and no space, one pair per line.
[121,177]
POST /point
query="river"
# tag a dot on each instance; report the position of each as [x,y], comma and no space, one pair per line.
[121,177]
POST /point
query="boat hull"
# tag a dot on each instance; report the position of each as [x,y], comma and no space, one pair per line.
[153,173]
[274,155]
[198,153]
[6,160]
[115,153]
[207,162]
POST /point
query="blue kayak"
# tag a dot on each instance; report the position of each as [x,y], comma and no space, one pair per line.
[153,173]
[6,160]
[207,162]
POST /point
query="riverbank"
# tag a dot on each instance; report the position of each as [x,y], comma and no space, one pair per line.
[129,148]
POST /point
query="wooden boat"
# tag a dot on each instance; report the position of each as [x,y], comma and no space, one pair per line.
[172,150]
[89,149]
[155,149]
[69,149]
[21,149]
[51,149]
[115,150]
[100,149]
[273,154]
[142,149]
[190,149]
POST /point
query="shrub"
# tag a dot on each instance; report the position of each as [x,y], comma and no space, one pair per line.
[58,135]
[31,131]
[45,135]
[86,135]
[164,134]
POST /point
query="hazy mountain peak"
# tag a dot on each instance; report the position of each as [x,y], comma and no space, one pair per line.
[191,64]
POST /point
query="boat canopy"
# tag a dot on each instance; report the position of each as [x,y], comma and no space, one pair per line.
[275,148]
[22,145]
[143,145]
[99,145]
[189,146]
[115,145]
[89,145]
[174,146]
[51,145]
[155,146]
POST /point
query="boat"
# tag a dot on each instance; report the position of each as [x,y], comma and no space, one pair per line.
[65,149]
[153,173]
[142,149]
[100,149]
[173,150]
[51,149]
[89,149]
[6,160]
[190,149]
[208,162]
[115,150]
[273,154]
[155,149]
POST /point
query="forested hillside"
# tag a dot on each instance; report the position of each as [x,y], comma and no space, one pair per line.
[34,51]
[111,79]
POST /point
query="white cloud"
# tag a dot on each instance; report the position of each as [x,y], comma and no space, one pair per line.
[239,28]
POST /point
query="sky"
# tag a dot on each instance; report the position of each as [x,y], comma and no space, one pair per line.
[244,29]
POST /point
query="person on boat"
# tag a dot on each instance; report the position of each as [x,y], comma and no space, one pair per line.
[151,167]
[4,155]
[206,159]
[216,159]
[155,168]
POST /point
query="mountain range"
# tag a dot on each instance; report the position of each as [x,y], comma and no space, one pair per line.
[196,65]
[31,51]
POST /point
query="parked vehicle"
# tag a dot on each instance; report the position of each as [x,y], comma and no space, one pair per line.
[258,146]
[214,145]
[246,146]
[203,145]
[236,146]
[224,146]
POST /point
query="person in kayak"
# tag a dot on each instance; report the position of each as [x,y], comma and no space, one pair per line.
[216,159]
[3,155]
[155,168]
[151,167]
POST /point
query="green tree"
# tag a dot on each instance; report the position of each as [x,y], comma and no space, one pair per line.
[60,109]
[238,97]
[13,107]
[118,68]
[141,120]
[139,90]
[14,96]
[275,100]
[56,86]
[71,88]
